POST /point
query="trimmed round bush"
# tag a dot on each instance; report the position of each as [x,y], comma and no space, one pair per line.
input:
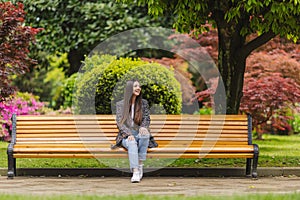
[100,87]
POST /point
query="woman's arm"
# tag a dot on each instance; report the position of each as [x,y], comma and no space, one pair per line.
[146,114]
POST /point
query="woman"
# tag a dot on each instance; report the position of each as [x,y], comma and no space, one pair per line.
[133,120]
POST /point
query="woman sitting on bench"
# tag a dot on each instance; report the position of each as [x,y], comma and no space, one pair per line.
[133,120]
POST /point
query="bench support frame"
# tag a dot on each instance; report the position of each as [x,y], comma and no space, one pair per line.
[11,172]
[251,161]
[255,161]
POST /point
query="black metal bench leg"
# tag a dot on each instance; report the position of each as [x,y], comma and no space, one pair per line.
[15,167]
[255,161]
[11,172]
[248,166]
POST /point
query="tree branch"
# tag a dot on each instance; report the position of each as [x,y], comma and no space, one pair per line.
[257,42]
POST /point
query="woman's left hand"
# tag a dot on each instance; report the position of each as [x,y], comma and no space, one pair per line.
[143,131]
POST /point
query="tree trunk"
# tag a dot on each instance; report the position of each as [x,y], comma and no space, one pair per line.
[74,57]
[259,132]
[232,71]
[231,65]
[233,52]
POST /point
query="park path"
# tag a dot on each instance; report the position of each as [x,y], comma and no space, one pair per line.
[149,185]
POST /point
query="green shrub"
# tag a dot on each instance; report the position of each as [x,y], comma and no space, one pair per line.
[103,84]
[95,61]
[296,123]
[67,90]
[87,80]
[205,111]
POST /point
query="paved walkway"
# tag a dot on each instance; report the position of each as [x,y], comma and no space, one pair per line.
[149,185]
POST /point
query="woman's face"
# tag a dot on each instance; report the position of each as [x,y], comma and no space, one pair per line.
[136,88]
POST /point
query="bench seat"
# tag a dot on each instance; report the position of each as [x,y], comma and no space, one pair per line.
[91,136]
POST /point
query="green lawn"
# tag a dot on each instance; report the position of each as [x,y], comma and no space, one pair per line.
[275,151]
[293,196]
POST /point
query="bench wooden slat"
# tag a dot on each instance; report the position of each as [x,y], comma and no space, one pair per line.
[156,124]
[105,143]
[96,128]
[115,130]
[160,134]
[112,138]
[124,155]
[240,149]
[112,117]
[70,122]
[112,121]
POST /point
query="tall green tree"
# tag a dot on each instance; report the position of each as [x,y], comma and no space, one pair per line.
[77,26]
[235,20]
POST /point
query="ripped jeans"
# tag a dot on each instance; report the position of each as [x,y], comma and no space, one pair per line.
[137,149]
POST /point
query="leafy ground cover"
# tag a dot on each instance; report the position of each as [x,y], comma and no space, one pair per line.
[275,151]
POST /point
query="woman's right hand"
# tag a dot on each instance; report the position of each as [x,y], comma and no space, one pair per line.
[130,138]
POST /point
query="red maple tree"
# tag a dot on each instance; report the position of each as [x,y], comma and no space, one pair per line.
[15,39]
[266,98]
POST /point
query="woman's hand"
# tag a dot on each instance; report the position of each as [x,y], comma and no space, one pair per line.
[143,131]
[130,138]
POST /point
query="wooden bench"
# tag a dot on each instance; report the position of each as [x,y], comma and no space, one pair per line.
[87,136]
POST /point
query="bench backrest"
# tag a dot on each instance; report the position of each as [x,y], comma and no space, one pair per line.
[168,130]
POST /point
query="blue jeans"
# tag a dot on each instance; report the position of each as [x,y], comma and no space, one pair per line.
[137,149]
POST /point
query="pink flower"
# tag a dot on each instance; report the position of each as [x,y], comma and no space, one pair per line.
[16,105]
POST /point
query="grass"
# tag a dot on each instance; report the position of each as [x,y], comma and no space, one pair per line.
[275,151]
[292,196]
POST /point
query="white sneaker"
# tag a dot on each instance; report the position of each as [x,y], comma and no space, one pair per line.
[141,171]
[135,177]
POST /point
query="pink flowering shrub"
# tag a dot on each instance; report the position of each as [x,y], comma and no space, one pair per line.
[20,104]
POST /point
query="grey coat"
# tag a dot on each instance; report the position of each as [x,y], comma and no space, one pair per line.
[125,128]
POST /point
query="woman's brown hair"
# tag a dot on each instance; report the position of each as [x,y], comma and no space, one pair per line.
[128,93]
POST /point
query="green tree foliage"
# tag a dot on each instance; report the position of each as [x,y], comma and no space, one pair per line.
[77,26]
[102,85]
[55,78]
[235,20]
[45,82]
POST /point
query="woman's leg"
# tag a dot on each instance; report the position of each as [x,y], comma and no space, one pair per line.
[132,148]
[143,143]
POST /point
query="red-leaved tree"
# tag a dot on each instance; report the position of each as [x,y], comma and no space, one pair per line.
[266,98]
[15,39]
[192,82]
